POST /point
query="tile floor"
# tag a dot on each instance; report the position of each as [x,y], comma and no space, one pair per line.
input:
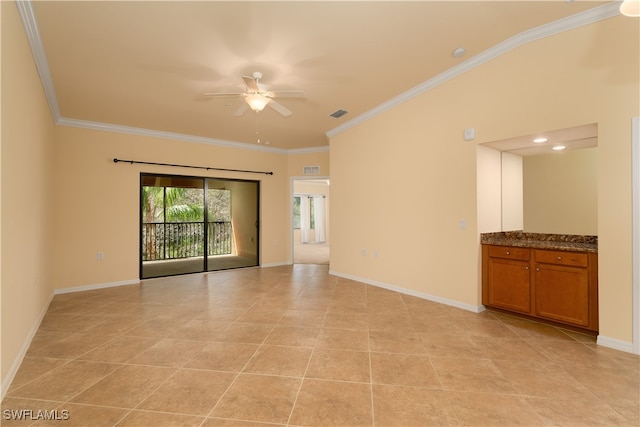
[296,346]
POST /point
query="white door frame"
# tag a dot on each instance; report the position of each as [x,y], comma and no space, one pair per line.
[291,194]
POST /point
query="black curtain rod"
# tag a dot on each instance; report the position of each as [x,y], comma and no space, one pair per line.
[188,166]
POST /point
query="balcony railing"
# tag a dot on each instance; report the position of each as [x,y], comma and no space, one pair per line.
[162,240]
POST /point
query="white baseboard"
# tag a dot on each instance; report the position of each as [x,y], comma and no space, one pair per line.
[97,286]
[445,301]
[23,350]
[615,344]
[275,264]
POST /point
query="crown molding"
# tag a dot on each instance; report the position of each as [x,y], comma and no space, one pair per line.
[37,48]
[308,150]
[39,57]
[108,127]
[574,21]
[569,23]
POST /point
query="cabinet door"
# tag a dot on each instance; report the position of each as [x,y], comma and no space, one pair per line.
[562,293]
[509,284]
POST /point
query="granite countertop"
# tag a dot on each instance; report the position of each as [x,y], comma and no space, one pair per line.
[562,242]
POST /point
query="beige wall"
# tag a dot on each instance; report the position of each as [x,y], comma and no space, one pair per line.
[489,186]
[27,193]
[551,193]
[560,192]
[3,371]
[416,176]
[297,162]
[413,182]
[512,193]
[97,206]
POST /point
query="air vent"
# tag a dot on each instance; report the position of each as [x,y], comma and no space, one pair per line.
[338,113]
[311,170]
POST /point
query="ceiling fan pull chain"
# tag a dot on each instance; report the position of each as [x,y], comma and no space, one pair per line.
[257,133]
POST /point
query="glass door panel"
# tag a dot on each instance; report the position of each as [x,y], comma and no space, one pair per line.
[172,225]
[232,211]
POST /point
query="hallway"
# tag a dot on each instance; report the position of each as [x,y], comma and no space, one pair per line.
[311,253]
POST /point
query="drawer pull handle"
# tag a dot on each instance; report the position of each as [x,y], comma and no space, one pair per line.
[559,258]
[508,253]
[526,268]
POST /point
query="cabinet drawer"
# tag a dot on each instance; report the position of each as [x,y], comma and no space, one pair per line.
[575,259]
[509,252]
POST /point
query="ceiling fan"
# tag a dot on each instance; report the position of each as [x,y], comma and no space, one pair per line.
[257,96]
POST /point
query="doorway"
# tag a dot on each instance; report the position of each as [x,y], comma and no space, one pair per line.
[195,224]
[310,224]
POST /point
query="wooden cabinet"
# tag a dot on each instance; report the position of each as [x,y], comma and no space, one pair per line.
[560,286]
[508,273]
[566,287]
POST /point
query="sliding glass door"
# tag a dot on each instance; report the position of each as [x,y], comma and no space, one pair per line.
[232,211]
[190,224]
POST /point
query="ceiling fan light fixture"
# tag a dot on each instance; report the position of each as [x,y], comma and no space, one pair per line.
[630,8]
[257,102]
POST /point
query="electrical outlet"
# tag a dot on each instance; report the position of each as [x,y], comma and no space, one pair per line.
[100,256]
[363,252]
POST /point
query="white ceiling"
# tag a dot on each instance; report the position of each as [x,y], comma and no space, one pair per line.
[145,65]
[575,138]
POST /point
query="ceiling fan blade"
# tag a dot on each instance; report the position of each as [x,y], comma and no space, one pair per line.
[226,95]
[240,111]
[251,83]
[279,108]
[285,94]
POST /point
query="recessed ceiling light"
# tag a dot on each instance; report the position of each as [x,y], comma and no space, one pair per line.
[559,147]
[540,140]
[458,52]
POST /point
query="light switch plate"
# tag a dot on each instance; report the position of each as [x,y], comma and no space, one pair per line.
[469,134]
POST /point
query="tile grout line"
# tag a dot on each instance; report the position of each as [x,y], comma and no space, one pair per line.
[373,416]
[366,300]
[241,370]
[304,375]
